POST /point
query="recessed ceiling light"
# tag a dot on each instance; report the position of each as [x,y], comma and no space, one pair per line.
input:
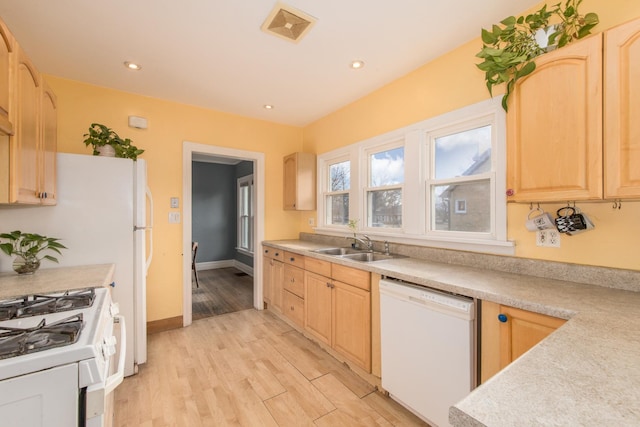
[132,66]
[357,64]
[268,107]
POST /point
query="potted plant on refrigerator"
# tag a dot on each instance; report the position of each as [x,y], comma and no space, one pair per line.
[106,142]
[28,248]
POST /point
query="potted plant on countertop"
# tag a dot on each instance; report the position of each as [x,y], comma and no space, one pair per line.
[509,51]
[28,248]
[106,142]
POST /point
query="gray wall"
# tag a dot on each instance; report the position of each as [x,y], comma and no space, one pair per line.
[214,207]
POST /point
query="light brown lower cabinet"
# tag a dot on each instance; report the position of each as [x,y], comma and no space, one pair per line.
[339,315]
[507,333]
[293,294]
[272,276]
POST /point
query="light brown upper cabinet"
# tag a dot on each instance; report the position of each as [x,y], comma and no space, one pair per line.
[28,129]
[300,182]
[554,127]
[572,125]
[6,48]
[622,111]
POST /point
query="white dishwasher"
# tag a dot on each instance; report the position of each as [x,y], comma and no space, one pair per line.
[427,339]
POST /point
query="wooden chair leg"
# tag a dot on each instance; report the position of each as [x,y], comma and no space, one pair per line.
[195,272]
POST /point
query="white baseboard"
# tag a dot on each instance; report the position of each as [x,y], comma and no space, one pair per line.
[227,263]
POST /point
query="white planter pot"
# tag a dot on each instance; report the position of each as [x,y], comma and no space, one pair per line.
[106,151]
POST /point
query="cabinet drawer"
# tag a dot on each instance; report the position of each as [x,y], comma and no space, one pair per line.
[294,280]
[293,308]
[273,253]
[294,259]
[352,276]
[318,266]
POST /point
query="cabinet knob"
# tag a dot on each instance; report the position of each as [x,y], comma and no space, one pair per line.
[510,192]
[502,318]
[266,251]
[292,259]
[277,253]
[328,285]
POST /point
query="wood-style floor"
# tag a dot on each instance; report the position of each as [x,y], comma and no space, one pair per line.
[248,368]
[222,290]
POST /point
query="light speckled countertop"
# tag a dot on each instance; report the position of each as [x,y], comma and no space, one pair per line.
[55,280]
[587,373]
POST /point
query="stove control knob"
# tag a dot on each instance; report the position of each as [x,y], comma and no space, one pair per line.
[109,347]
[114,309]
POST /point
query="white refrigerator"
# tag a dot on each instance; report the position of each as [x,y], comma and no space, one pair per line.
[101,217]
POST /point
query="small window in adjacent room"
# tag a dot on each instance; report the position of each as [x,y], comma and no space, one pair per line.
[245,213]
[461,206]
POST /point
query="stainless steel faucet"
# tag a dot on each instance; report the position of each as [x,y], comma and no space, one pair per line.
[363,242]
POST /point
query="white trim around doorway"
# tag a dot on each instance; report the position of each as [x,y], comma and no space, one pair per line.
[188,150]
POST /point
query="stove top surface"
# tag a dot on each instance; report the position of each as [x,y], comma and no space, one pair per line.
[34,342]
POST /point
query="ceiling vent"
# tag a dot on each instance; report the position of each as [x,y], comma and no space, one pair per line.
[288,23]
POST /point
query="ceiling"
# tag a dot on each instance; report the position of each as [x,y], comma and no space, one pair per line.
[213,54]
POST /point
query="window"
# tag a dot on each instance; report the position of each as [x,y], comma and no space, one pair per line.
[245,214]
[440,182]
[384,190]
[461,180]
[337,198]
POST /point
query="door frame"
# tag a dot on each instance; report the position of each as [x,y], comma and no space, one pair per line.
[188,149]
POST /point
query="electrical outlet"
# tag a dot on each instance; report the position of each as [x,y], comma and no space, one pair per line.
[175,202]
[174,217]
[548,238]
[553,238]
[312,222]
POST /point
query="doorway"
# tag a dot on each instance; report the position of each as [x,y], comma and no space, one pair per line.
[193,150]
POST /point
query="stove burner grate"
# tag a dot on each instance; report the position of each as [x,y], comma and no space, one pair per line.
[17,341]
[45,304]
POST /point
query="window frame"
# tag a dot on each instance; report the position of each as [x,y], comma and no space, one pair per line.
[245,181]
[416,212]
[324,184]
[368,189]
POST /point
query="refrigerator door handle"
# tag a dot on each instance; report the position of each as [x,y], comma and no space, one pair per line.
[149,227]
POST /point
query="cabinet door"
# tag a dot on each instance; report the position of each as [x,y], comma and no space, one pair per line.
[317,307]
[267,288]
[554,127]
[299,171]
[6,48]
[503,341]
[277,278]
[622,110]
[49,146]
[352,323]
[24,157]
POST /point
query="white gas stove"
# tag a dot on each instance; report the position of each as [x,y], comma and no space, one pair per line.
[57,354]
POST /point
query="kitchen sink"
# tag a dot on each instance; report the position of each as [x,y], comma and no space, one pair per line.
[370,256]
[356,254]
[338,251]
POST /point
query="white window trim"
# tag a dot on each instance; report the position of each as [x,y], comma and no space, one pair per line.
[323,180]
[247,179]
[415,212]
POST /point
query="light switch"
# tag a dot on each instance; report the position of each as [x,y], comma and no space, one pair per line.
[174,217]
[175,202]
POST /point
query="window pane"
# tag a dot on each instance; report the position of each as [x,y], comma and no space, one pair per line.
[385,208]
[338,209]
[463,207]
[463,154]
[387,167]
[340,176]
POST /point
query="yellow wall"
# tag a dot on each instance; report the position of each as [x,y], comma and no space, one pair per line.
[451,82]
[169,125]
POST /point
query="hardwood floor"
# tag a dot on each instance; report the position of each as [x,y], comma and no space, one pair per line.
[248,368]
[222,290]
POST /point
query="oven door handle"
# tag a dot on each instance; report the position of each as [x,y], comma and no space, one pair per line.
[116,378]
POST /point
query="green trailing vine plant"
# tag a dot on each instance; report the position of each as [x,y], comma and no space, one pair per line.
[509,50]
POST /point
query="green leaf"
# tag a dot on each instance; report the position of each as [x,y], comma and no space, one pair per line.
[488,37]
[591,18]
[50,258]
[527,69]
[7,248]
[510,20]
